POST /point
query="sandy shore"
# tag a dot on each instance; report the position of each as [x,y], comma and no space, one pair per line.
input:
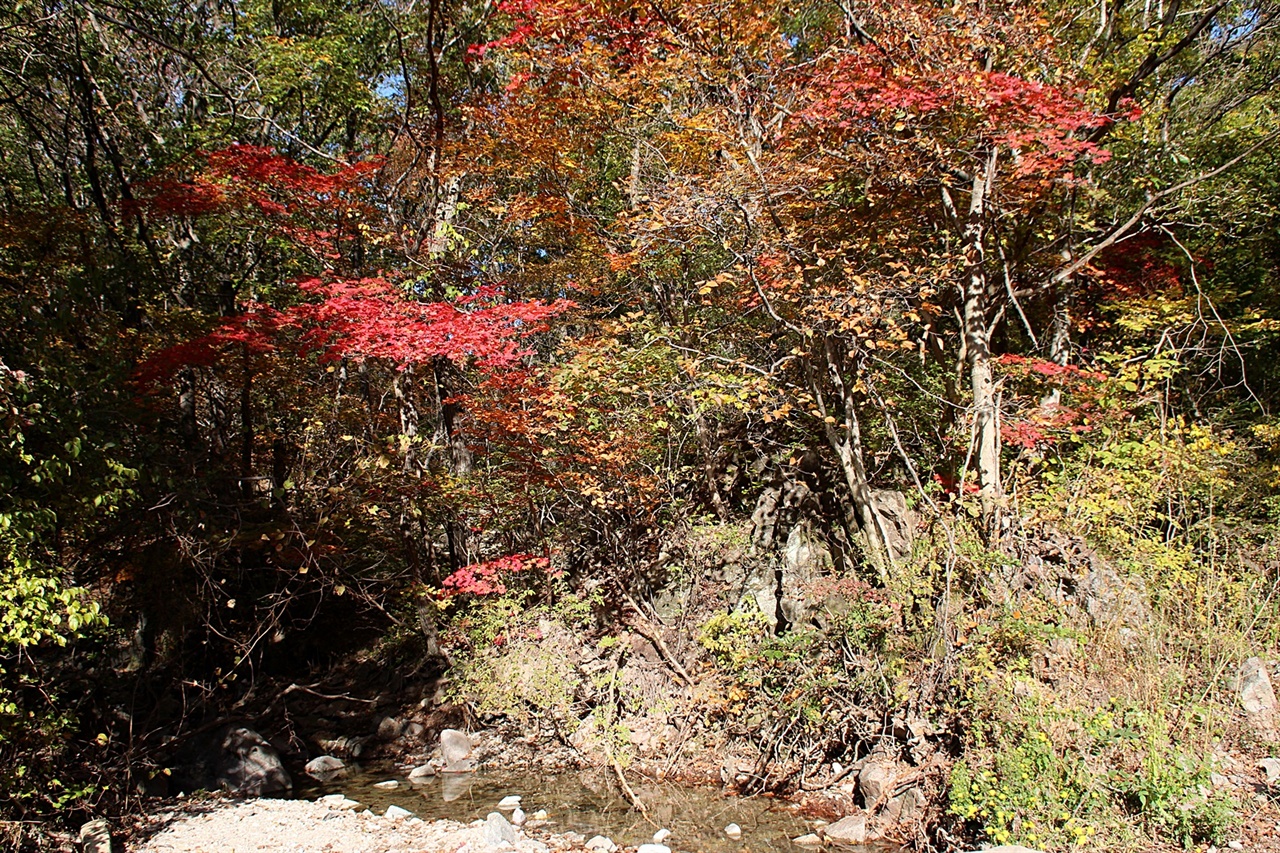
[330,826]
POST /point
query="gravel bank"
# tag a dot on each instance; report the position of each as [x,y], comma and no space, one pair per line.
[298,826]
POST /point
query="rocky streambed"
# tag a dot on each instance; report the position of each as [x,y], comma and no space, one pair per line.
[585,805]
[469,795]
[404,818]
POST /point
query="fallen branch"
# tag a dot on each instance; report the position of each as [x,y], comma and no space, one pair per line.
[626,788]
[640,626]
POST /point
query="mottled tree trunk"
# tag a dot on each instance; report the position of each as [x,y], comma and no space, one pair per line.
[247,436]
[1059,343]
[188,423]
[978,347]
[707,450]
[461,461]
[847,445]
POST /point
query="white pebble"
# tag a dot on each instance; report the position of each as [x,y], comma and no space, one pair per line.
[733,831]
[509,802]
[389,785]
[661,835]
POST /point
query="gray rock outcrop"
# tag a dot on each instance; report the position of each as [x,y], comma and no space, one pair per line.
[898,519]
[326,767]
[1063,568]
[1258,698]
[454,746]
[852,829]
[805,558]
[248,766]
[95,836]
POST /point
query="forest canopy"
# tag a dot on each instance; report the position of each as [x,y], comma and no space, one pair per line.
[352,312]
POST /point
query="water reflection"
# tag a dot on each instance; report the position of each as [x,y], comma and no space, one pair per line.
[589,803]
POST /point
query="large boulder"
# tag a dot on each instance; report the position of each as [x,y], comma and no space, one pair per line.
[898,519]
[498,831]
[390,728]
[246,765]
[326,768]
[350,748]
[454,746]
[805,558]
[905,807]
[95,836]
[852,829]
[876,780]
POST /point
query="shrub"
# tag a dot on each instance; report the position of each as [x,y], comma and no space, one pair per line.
[1026,790]
[512,655]
[1173,795]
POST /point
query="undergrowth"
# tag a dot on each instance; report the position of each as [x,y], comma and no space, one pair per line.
[1117,746]
[510,653]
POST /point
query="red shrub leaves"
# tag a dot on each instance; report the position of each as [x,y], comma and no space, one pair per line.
[1036,420]
[371,318]
[1023,366]
[254,330]
[245,177]
[488,578]
[368,317]
[857,94]
[258,182]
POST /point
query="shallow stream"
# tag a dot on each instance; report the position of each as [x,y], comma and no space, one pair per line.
[591,805]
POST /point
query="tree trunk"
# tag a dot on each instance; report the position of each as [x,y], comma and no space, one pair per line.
[462,463]
[1060,325]
[188,423]
[978,348]
[848,449]
[633,188]
[403,387]
[246,424]
[707,450]
[446,210]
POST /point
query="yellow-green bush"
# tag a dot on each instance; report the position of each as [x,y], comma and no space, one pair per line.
[512,655]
